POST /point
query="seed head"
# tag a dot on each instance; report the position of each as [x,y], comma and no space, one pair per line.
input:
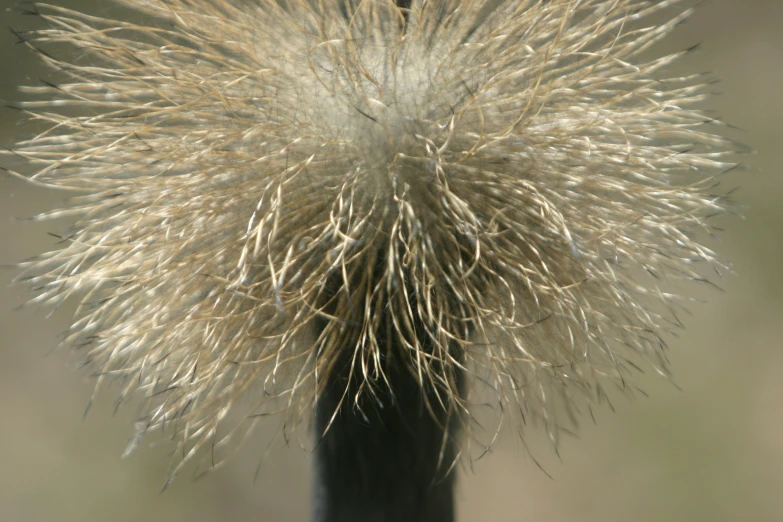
[511,179]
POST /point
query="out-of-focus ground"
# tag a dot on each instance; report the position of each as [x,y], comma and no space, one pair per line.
[712,451]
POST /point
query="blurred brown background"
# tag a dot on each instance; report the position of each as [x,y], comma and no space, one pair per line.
[712,451]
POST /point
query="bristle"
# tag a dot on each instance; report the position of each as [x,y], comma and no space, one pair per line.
[514,178]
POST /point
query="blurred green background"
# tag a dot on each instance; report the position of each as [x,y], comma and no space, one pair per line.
[711,451]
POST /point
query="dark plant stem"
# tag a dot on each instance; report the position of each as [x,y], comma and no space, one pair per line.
[388,462]
[386,457]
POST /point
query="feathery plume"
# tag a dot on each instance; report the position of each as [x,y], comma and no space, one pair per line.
[269,192]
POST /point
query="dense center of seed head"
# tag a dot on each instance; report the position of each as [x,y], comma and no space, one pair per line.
[381,105]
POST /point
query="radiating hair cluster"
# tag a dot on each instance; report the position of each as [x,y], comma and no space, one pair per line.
[510,189]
